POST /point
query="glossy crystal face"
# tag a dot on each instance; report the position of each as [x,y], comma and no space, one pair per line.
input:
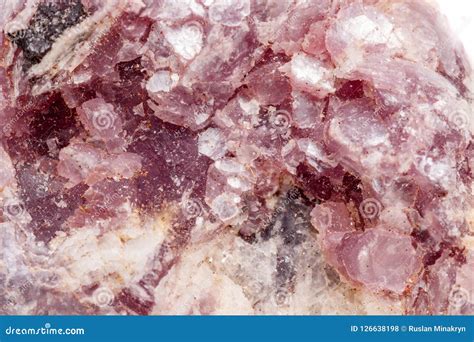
[234,157]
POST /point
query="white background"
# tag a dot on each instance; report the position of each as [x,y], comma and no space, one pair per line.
[460,15]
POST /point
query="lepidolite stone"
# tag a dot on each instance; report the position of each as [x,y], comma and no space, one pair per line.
[234,157]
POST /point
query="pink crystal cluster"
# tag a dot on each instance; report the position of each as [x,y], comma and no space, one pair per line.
[212,111]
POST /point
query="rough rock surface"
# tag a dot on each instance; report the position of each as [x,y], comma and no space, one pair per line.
[234,157]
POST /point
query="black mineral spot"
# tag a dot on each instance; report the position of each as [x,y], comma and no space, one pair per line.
[48,23]
[290,223]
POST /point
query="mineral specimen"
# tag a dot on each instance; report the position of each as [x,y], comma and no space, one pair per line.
[234,157]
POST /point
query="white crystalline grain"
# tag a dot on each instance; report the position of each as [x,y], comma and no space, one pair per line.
[211,143]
